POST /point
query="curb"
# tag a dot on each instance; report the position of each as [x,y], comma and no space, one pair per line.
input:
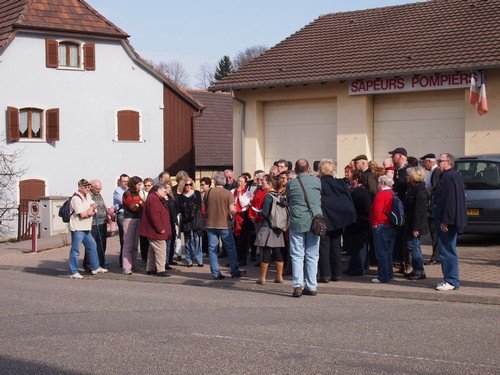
[271,288]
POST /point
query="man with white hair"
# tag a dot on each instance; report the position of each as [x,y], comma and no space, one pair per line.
[450,215]
[230,183]
[99,226]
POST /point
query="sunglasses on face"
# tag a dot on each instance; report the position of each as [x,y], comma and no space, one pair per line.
[188,185]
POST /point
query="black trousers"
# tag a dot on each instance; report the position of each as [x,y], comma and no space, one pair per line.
[266,254]
[144,245]
[119,221]
[100,234]
[330,255]
[356,241]
[243,240]
[432,231]
[400,252]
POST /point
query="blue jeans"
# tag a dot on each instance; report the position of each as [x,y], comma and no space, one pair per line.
[193,247]
[227,238]
[413,246]
[304,246]
[383,241]
[77,238]
[447,246]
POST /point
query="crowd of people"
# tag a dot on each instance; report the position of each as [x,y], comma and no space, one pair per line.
[275,216]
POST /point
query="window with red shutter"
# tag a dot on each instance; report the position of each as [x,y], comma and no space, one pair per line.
[52,124]
[89,56]
[128,126]
[12,124]
[51,53]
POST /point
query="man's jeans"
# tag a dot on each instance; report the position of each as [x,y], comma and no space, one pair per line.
[227,238]
[192,247]
[413,246]
[304,246]
[383,240]
[77,238]
[447,245]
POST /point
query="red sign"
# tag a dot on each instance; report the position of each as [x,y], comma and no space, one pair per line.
[417,82]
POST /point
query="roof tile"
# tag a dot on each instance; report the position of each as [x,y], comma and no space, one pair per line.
[418,37]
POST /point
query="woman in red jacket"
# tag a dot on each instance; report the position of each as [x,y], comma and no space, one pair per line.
[383,231]
[155,226]
[256,207]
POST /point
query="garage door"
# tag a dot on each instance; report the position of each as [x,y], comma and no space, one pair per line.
[421,122]
[295,129]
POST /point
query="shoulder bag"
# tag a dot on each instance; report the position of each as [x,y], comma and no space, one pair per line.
[318,225]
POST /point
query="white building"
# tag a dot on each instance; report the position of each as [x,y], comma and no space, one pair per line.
[79,102]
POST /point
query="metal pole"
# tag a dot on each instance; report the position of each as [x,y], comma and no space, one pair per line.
[34,242]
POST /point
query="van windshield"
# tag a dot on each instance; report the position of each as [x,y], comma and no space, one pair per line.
[479,174]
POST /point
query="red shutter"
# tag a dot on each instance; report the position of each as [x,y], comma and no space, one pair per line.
[12,124]
[51,53]
[133,125]
[128,125]
[122,125]
[89,56]
[52,124]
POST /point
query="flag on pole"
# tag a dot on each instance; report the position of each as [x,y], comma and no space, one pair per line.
[477,93]
[475,88]
[482,103]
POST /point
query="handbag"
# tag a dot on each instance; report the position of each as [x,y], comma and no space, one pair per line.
[318,225]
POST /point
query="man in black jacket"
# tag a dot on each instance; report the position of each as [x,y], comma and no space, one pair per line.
[451,217]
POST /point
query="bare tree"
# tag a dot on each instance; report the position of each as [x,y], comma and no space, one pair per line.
[173,69]
[248,54]
[10,174]
[205,76]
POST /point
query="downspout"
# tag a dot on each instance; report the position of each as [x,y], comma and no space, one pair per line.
[242,123]
[193,130]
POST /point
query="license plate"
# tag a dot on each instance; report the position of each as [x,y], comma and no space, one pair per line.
[472,212]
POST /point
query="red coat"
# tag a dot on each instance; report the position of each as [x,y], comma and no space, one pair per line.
[257,204]
[155,218]
[382,205]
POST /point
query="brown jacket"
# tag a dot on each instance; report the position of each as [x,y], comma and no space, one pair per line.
[155,218]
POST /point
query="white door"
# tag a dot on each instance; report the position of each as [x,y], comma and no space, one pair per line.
[296,129]
[421,122]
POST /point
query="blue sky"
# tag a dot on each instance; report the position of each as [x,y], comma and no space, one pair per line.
[195,32]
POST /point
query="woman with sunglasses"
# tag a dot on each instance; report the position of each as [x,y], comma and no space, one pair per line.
[191,221]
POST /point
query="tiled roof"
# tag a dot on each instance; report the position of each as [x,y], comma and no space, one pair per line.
[75,16]
[213,131]
[420,37]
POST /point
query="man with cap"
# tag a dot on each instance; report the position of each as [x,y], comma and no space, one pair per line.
[361,164]
[431,181]
[400,160]
[83,209]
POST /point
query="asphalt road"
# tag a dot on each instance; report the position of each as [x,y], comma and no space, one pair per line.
[53,325]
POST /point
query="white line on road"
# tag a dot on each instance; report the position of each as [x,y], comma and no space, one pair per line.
[388,355]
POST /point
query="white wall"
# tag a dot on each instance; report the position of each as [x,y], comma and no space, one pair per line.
[88,102]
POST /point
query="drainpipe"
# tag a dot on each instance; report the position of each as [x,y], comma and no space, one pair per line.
[242,123]
[193,131]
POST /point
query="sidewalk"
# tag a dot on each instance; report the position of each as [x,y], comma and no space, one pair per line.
[479,272]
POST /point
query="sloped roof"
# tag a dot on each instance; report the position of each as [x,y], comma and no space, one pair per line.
[431,36]
[75,16]
[70,16]
[213,131]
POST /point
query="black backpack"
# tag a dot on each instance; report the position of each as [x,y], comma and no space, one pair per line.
[65,210]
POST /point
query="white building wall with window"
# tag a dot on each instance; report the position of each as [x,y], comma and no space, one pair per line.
[88,103]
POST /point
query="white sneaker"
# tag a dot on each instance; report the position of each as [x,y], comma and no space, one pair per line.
[376,281]
[76,276]
[127,272]
[99,270]
[444,287]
